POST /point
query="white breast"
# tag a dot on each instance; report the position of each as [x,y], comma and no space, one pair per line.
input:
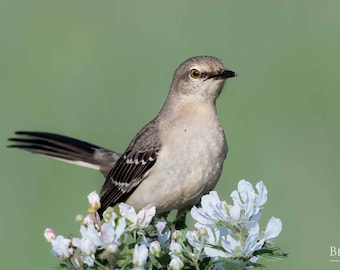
[189,163]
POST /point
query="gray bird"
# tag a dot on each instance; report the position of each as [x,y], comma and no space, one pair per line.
[174,160]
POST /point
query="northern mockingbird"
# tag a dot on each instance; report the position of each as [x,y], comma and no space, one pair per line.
[174,160]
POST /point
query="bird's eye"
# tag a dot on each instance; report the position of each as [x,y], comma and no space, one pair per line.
[195,73]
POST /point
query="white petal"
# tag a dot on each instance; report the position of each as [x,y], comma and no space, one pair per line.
[252,244]
[273,229]
[246,190]
[120,229]
[140,255]
[108,233]
[262,194]
[208,201]
[76,242]
[256,216]
[93,234]
[61,247]
[201,217]
[163,234]
[87,246]
[230,244]
[253,228]
[128,212]
[234,213]
[175,247]
[145,215]
[155,248]
[213,236]
[215,253]
[236,198]
[176,263]
[94,199]
[193,239]
[160,226]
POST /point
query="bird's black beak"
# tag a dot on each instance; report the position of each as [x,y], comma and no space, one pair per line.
[228,74]
[222,75]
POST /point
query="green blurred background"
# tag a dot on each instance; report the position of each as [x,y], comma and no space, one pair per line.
[99,70]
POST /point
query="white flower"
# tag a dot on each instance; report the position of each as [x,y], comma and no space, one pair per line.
[61,247]
[201,231]
[109,214]
[222,232]
[273,229]
[161,225]
[246,207]
[244,197]
[79,218]
[253,241]
[176,263]
[155,248]
[111,247]
[233,230]
[140,255]
[92,233]
[163,234]
[194,240]
[176,235]
[232,247]
[142,219]
[49,234]
[94,201]
[214,211]
[89,219]
[85,245]
[175,247]
[89,260]
[248,200]
[110,233]
[90,239]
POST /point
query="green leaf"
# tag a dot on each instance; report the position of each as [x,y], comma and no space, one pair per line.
[271,253]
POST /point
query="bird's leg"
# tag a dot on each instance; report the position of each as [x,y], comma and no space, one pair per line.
[181,217]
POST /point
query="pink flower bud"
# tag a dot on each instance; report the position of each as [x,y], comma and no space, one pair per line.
[94,201]
[49,235]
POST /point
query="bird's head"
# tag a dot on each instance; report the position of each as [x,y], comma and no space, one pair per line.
[201,77]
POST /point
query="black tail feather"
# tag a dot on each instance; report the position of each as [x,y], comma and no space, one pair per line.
[65,148]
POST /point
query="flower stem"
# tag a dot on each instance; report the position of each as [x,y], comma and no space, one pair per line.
[101,265]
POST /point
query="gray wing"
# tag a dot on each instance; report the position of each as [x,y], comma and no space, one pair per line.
[131,167]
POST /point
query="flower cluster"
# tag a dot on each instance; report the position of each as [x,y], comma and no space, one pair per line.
[225,234]
[232,230]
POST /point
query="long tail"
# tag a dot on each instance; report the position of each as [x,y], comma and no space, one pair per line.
[66,149]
